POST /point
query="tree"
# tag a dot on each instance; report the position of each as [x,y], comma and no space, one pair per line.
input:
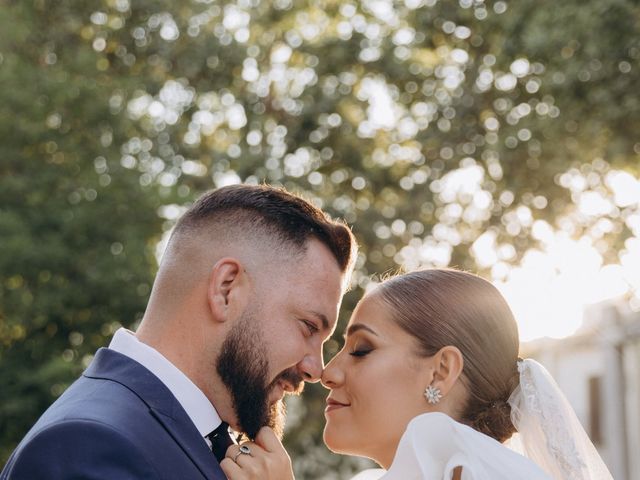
[77,229]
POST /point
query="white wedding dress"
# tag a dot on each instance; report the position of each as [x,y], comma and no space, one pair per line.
[434,445]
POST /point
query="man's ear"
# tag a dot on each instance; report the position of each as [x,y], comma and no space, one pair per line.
[447,364]
[227,289]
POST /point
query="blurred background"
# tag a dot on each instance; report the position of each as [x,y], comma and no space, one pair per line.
[495,136]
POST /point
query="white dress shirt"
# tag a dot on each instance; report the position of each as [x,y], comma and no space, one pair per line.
[198,407]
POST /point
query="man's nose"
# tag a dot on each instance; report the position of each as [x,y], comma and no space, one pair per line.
[311,367]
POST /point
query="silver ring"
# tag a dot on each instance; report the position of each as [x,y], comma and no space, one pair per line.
[243,450]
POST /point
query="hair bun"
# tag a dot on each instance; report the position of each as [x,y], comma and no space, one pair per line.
[495,421]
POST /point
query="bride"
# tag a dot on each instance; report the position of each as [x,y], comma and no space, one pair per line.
[430,386]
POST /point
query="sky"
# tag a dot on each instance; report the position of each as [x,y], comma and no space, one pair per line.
[554,283]
[549,291]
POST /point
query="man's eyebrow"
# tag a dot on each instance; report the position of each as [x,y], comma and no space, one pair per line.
[320,316]
[357,327]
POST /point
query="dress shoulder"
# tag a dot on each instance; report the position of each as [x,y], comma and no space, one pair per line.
[370,474]
[434,444]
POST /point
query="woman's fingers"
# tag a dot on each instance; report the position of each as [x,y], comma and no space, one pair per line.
[252,465]
[266,460]
[231,469]
[268,440]
[277,457]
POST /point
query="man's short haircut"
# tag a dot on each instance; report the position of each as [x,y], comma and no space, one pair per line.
[258,209]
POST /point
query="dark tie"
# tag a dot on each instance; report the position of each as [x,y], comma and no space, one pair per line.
[220,440]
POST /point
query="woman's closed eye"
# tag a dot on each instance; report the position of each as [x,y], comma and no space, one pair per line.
[360,350]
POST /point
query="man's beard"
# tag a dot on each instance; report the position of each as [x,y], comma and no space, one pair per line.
[243,366]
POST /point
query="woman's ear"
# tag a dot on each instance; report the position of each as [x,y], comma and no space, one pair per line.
[227,289]
[448,364]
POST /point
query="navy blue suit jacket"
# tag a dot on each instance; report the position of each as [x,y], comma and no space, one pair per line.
[117,421]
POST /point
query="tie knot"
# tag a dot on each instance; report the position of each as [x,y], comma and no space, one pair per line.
[220,440]
[223,428]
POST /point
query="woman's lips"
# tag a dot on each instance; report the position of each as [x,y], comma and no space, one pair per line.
[334,405]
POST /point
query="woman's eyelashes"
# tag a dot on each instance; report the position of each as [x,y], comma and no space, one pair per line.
[360,350]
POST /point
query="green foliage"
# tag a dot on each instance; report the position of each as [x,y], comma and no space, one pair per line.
[423,123]
[76,229]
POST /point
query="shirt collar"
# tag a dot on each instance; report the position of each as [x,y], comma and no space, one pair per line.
[198,407]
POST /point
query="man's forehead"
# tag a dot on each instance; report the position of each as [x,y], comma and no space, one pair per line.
[319,286]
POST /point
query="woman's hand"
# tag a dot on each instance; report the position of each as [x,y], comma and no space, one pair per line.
[264,459]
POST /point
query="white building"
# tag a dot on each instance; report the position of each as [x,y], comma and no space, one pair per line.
[598,369]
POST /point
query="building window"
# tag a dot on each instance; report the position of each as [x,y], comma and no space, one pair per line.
[595,410]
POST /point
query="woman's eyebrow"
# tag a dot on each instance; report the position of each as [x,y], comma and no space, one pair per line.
[357,327]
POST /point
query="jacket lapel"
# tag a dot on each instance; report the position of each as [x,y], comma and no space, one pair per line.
[163,406]
[183,434]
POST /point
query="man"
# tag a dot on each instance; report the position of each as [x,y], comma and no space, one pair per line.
[247,291]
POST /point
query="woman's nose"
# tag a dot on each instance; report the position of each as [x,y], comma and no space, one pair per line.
[332,375]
